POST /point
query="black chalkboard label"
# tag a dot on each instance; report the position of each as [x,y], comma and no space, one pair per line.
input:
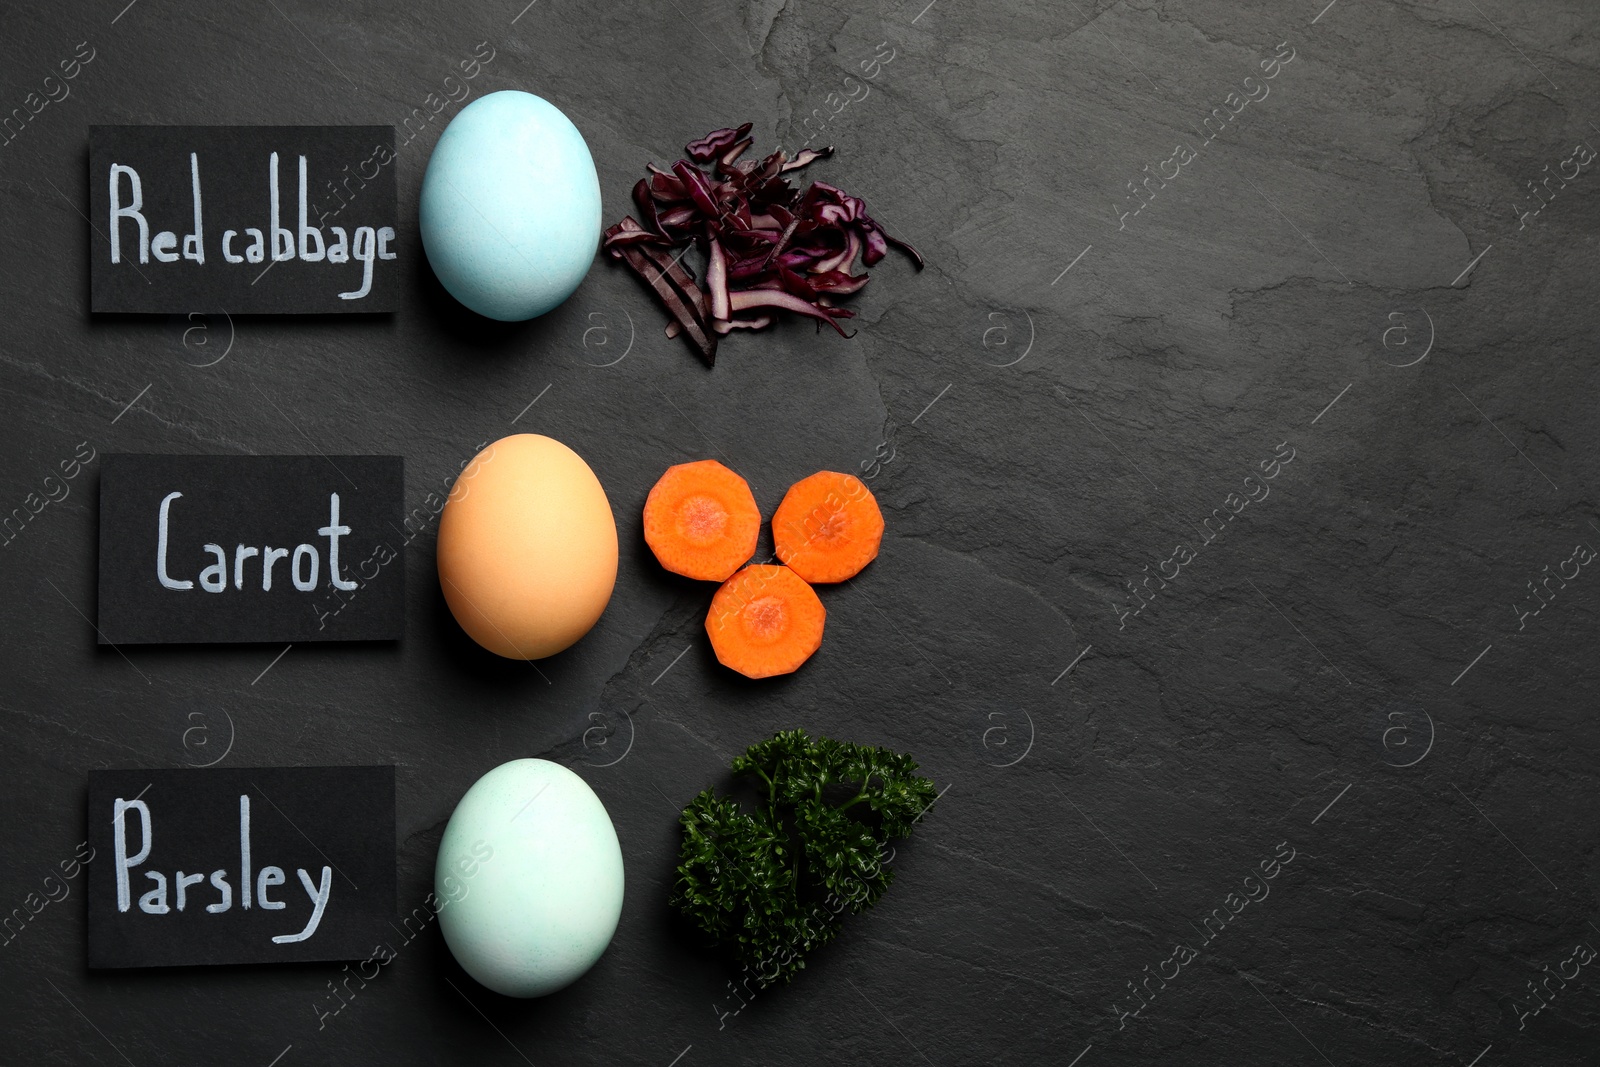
[202,549]
[243,219]
[266,865]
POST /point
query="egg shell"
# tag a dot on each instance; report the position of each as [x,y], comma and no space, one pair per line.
[527,547]
[510,211]
[530,879]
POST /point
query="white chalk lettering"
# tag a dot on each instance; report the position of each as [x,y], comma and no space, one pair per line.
[305,561]
[256,884]
[286,235]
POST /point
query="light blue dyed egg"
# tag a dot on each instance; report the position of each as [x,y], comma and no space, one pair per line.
[529,879]
[510,211]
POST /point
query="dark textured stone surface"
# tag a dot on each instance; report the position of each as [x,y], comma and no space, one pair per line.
[1254,691]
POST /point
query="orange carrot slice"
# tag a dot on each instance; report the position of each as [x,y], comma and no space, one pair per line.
[701,520]
[828,527]
[765,620]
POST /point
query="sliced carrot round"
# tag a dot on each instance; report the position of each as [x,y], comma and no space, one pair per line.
[765,620]
[701,520]
[828,527]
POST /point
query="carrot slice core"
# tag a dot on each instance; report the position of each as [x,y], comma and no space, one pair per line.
[703,519]
[765,620]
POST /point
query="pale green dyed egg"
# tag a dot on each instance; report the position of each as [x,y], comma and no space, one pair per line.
[529,879]
[510,209]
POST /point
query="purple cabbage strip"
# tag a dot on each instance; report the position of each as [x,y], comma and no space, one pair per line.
[753,298]
[717,283]
[715,143]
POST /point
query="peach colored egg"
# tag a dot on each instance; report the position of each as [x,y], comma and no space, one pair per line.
[527,547]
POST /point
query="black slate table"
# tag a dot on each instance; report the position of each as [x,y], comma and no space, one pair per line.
[1222,488]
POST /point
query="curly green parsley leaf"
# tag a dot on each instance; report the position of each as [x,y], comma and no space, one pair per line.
[774,882]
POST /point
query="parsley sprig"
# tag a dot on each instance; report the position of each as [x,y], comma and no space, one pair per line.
[773,882]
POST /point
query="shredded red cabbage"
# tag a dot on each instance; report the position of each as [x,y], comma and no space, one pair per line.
[768,246]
